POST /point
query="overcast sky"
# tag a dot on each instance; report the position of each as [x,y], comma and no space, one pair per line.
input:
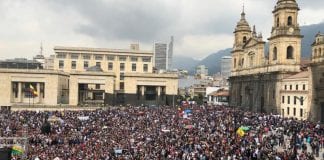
[200,27]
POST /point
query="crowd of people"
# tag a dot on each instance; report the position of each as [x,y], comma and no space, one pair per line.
[206,133]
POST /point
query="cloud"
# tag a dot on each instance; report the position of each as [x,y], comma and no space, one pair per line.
[199,27]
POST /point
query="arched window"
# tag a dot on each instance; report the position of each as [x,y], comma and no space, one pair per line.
[289,22]
[320,51]
[277,21]
[244,39]
[234,62]
[242,63]
[275,53]
[315,52]
[290,52]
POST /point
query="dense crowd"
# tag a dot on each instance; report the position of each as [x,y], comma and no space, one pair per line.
[207,133]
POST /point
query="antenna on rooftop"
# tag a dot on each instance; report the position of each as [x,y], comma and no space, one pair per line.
[41,48]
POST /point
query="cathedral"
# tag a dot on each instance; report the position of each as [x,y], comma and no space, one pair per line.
[256,75]
[277,81]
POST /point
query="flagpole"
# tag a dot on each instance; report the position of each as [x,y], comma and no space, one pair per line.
[29,99]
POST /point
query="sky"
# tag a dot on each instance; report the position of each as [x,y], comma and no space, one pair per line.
[200,27]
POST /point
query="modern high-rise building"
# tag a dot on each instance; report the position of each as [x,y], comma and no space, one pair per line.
[170,54]
[163,55]
[160,56]
[226,64]
[201,71]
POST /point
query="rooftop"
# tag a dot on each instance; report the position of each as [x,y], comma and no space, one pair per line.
[100,50]
[304,74]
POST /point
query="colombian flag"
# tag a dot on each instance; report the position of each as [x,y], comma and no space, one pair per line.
[33,91]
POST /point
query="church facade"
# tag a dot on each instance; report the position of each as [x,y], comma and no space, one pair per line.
[256,76]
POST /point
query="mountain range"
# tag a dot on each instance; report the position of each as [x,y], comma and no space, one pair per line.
[212,61]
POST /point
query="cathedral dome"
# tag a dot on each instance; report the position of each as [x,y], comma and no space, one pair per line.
[242,25]
[286,4]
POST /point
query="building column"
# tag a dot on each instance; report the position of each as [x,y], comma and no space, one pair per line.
[142,90]
[38,92]
[159,90]
[19,92]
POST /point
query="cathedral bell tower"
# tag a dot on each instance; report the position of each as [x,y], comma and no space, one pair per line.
[285,40]
[242,32]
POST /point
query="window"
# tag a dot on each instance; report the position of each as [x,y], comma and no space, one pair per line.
[304,87]
[110,58]
[27,89]
[285,87]
[73,64]
[97,86]
[288,99]
[294,111]
[283,99]
[134,67]
[61,55]
[234,62]
[244,39]
[290,87]
[121,85]
[277,21]
[98,57]
[242,63]
[320,51]
[85,64]
[290,52]
[315,53]
[289,21]
[61,64]
[122,58]
[288,110]
[42,89]
[122,76]
[122,67]
[86,57]
[301,112]
[275,53]
[15,89]
[74,56]
[283,112]
[251,61]
[134,59]
[146,59]
[295,99]
[145,68]
[297,87]
[98,64]
[301,101]
[110,66]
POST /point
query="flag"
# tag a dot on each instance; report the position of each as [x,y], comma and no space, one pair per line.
[33,91]
[31,87]
[240,132]
[17,150]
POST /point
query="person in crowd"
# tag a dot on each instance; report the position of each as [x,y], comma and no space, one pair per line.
[163,133]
